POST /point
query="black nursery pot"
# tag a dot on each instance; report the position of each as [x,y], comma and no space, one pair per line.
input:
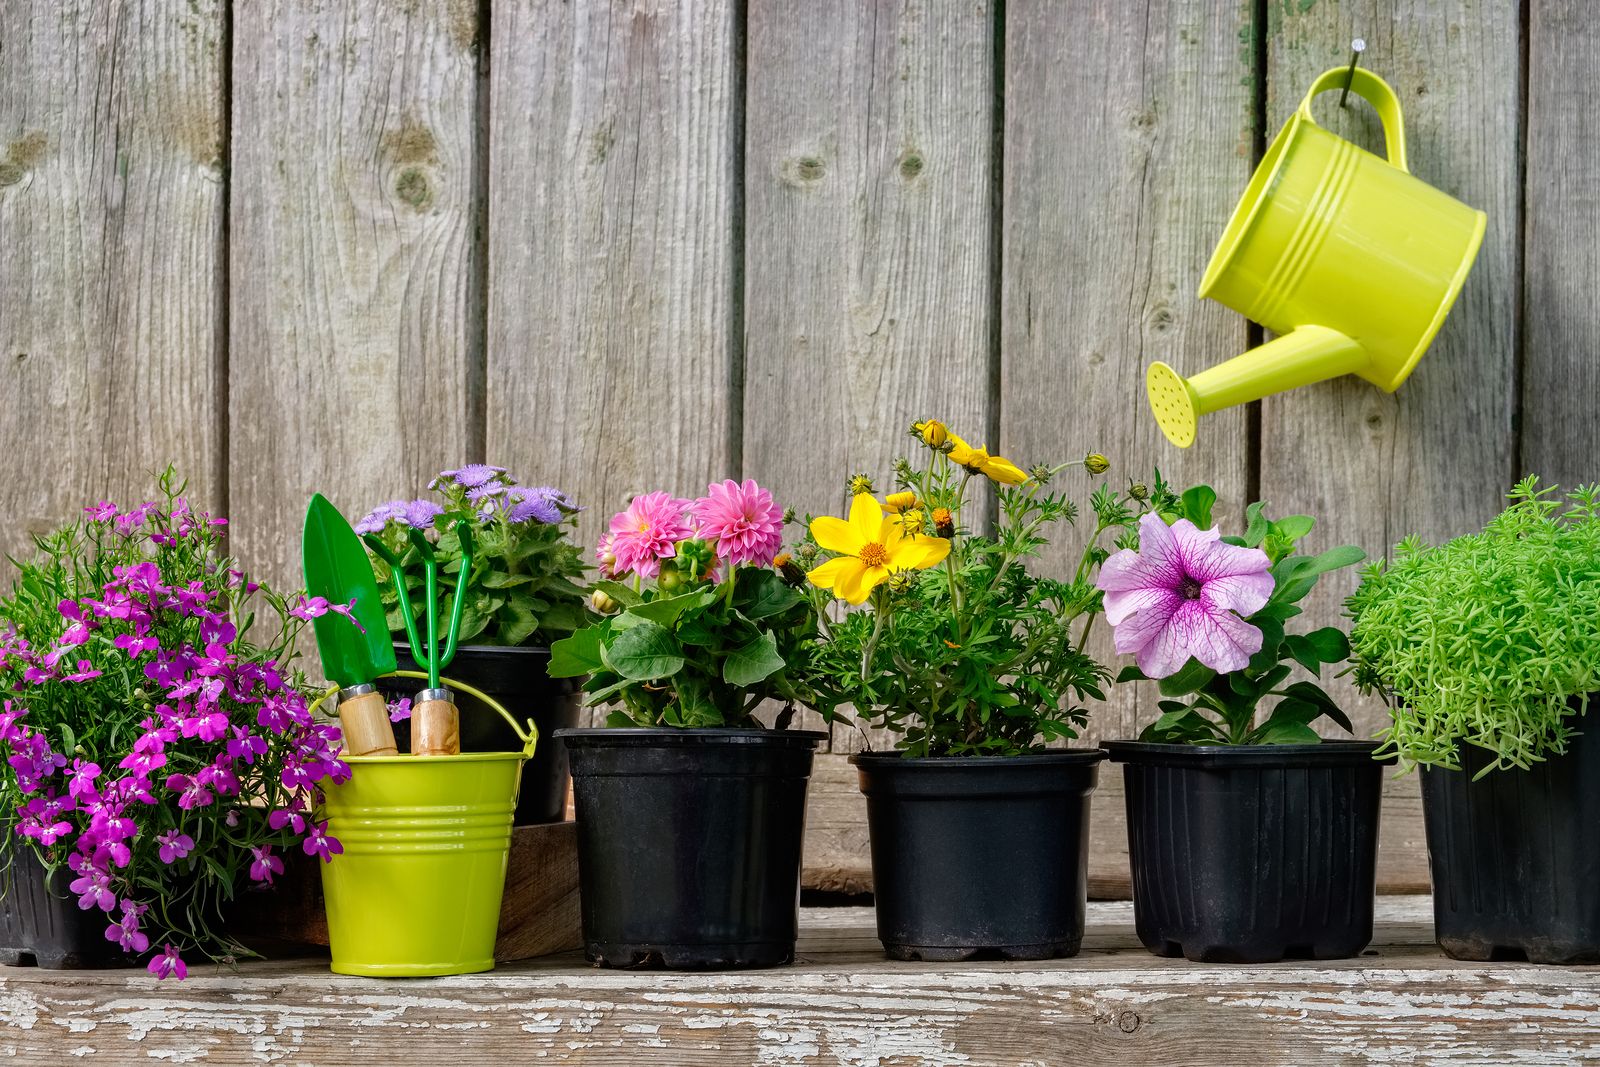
[42,924]
[979,855]
[689,844]
[518,679]
[1516,873]
[1252,853]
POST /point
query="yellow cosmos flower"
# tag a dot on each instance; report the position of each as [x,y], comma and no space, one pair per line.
[869,548]
[933,433]
[978,461]
[895,503]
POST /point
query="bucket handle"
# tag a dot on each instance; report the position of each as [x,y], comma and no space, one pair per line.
[528,737]
[1375,91]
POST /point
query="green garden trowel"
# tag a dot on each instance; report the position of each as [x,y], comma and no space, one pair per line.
[337,569]
[435,722]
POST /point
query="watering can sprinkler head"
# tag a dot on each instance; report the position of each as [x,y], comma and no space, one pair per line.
[1348,258]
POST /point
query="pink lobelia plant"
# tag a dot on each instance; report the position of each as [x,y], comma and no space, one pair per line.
[1182,595]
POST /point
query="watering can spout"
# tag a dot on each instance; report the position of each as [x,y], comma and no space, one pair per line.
[1305,355]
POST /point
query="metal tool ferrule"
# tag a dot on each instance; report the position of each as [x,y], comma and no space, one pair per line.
[350,692]
[436,694]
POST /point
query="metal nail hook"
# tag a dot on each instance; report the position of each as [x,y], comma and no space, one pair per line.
[1357,46]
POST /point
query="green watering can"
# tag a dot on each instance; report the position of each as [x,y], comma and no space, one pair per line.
[1350,259]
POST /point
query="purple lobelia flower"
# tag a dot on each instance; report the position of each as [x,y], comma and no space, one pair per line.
[1182,594]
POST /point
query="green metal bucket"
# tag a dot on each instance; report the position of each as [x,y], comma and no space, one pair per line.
[417,889]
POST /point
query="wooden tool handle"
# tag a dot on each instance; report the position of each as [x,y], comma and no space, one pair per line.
[364,719]
[435,728]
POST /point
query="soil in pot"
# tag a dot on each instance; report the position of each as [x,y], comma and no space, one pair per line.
[689,844]
[42,924]
[516,677]
[1516,874]
[979,856]
[1252,853]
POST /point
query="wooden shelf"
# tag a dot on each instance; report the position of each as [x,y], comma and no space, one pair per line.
[842,1003]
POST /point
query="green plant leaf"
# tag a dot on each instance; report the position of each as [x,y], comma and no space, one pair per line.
[623,594]
[1196,504]
[1312,650]
[760,594]
[1190,678]
[1312,693]
[501,580]
[1132,674]
[1288,732]
[577,655]
[1271,643]
[1256,525]
[1293,527]
[665,611]
[644,653]
[753,661]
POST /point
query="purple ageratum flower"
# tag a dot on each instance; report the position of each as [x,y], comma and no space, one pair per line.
[542,504]
[375,520]
[421,514]
[1184,594]
[174,846]
[168,964]
[473,475]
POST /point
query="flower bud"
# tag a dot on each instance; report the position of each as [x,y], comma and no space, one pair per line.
[898,502]
[790,571]
[807,551]
[901,582]
[857,484]
[789,517]
[1096,464]
[603,603]
[934,433]
[1139,491]
[944,523]
[670,580]
[1041,473]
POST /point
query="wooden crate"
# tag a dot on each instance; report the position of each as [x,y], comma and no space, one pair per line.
[538,913]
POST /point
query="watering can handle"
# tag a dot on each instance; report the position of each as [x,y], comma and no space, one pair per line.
[1375,91]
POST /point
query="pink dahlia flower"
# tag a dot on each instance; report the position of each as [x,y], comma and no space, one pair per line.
[648,532]
[1183,594]
[742,521]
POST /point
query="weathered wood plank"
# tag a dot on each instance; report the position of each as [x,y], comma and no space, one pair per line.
[614,205]
[1561,379]
[838,856]
[111,207]
[868,239]
[841,1004]
[354,281]
[1436,457]
[1128,130]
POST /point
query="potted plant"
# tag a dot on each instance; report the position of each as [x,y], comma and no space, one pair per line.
[1488,649]
[522,594]
[690,814]
[1251,838]
[974,662]
[160,756]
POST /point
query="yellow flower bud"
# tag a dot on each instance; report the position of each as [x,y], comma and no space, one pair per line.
[934,434]
[895,503]
[1096,464]
[858,484]
[603,603]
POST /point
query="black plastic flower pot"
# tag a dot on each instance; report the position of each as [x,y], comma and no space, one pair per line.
[1516,874]
[517,678]
[689,844]
[980,855]
[1252,853]
[41,923]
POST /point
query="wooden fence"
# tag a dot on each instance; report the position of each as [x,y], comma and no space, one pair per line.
[342,244]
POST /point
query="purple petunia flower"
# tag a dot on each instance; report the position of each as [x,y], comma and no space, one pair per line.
[1185,593]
